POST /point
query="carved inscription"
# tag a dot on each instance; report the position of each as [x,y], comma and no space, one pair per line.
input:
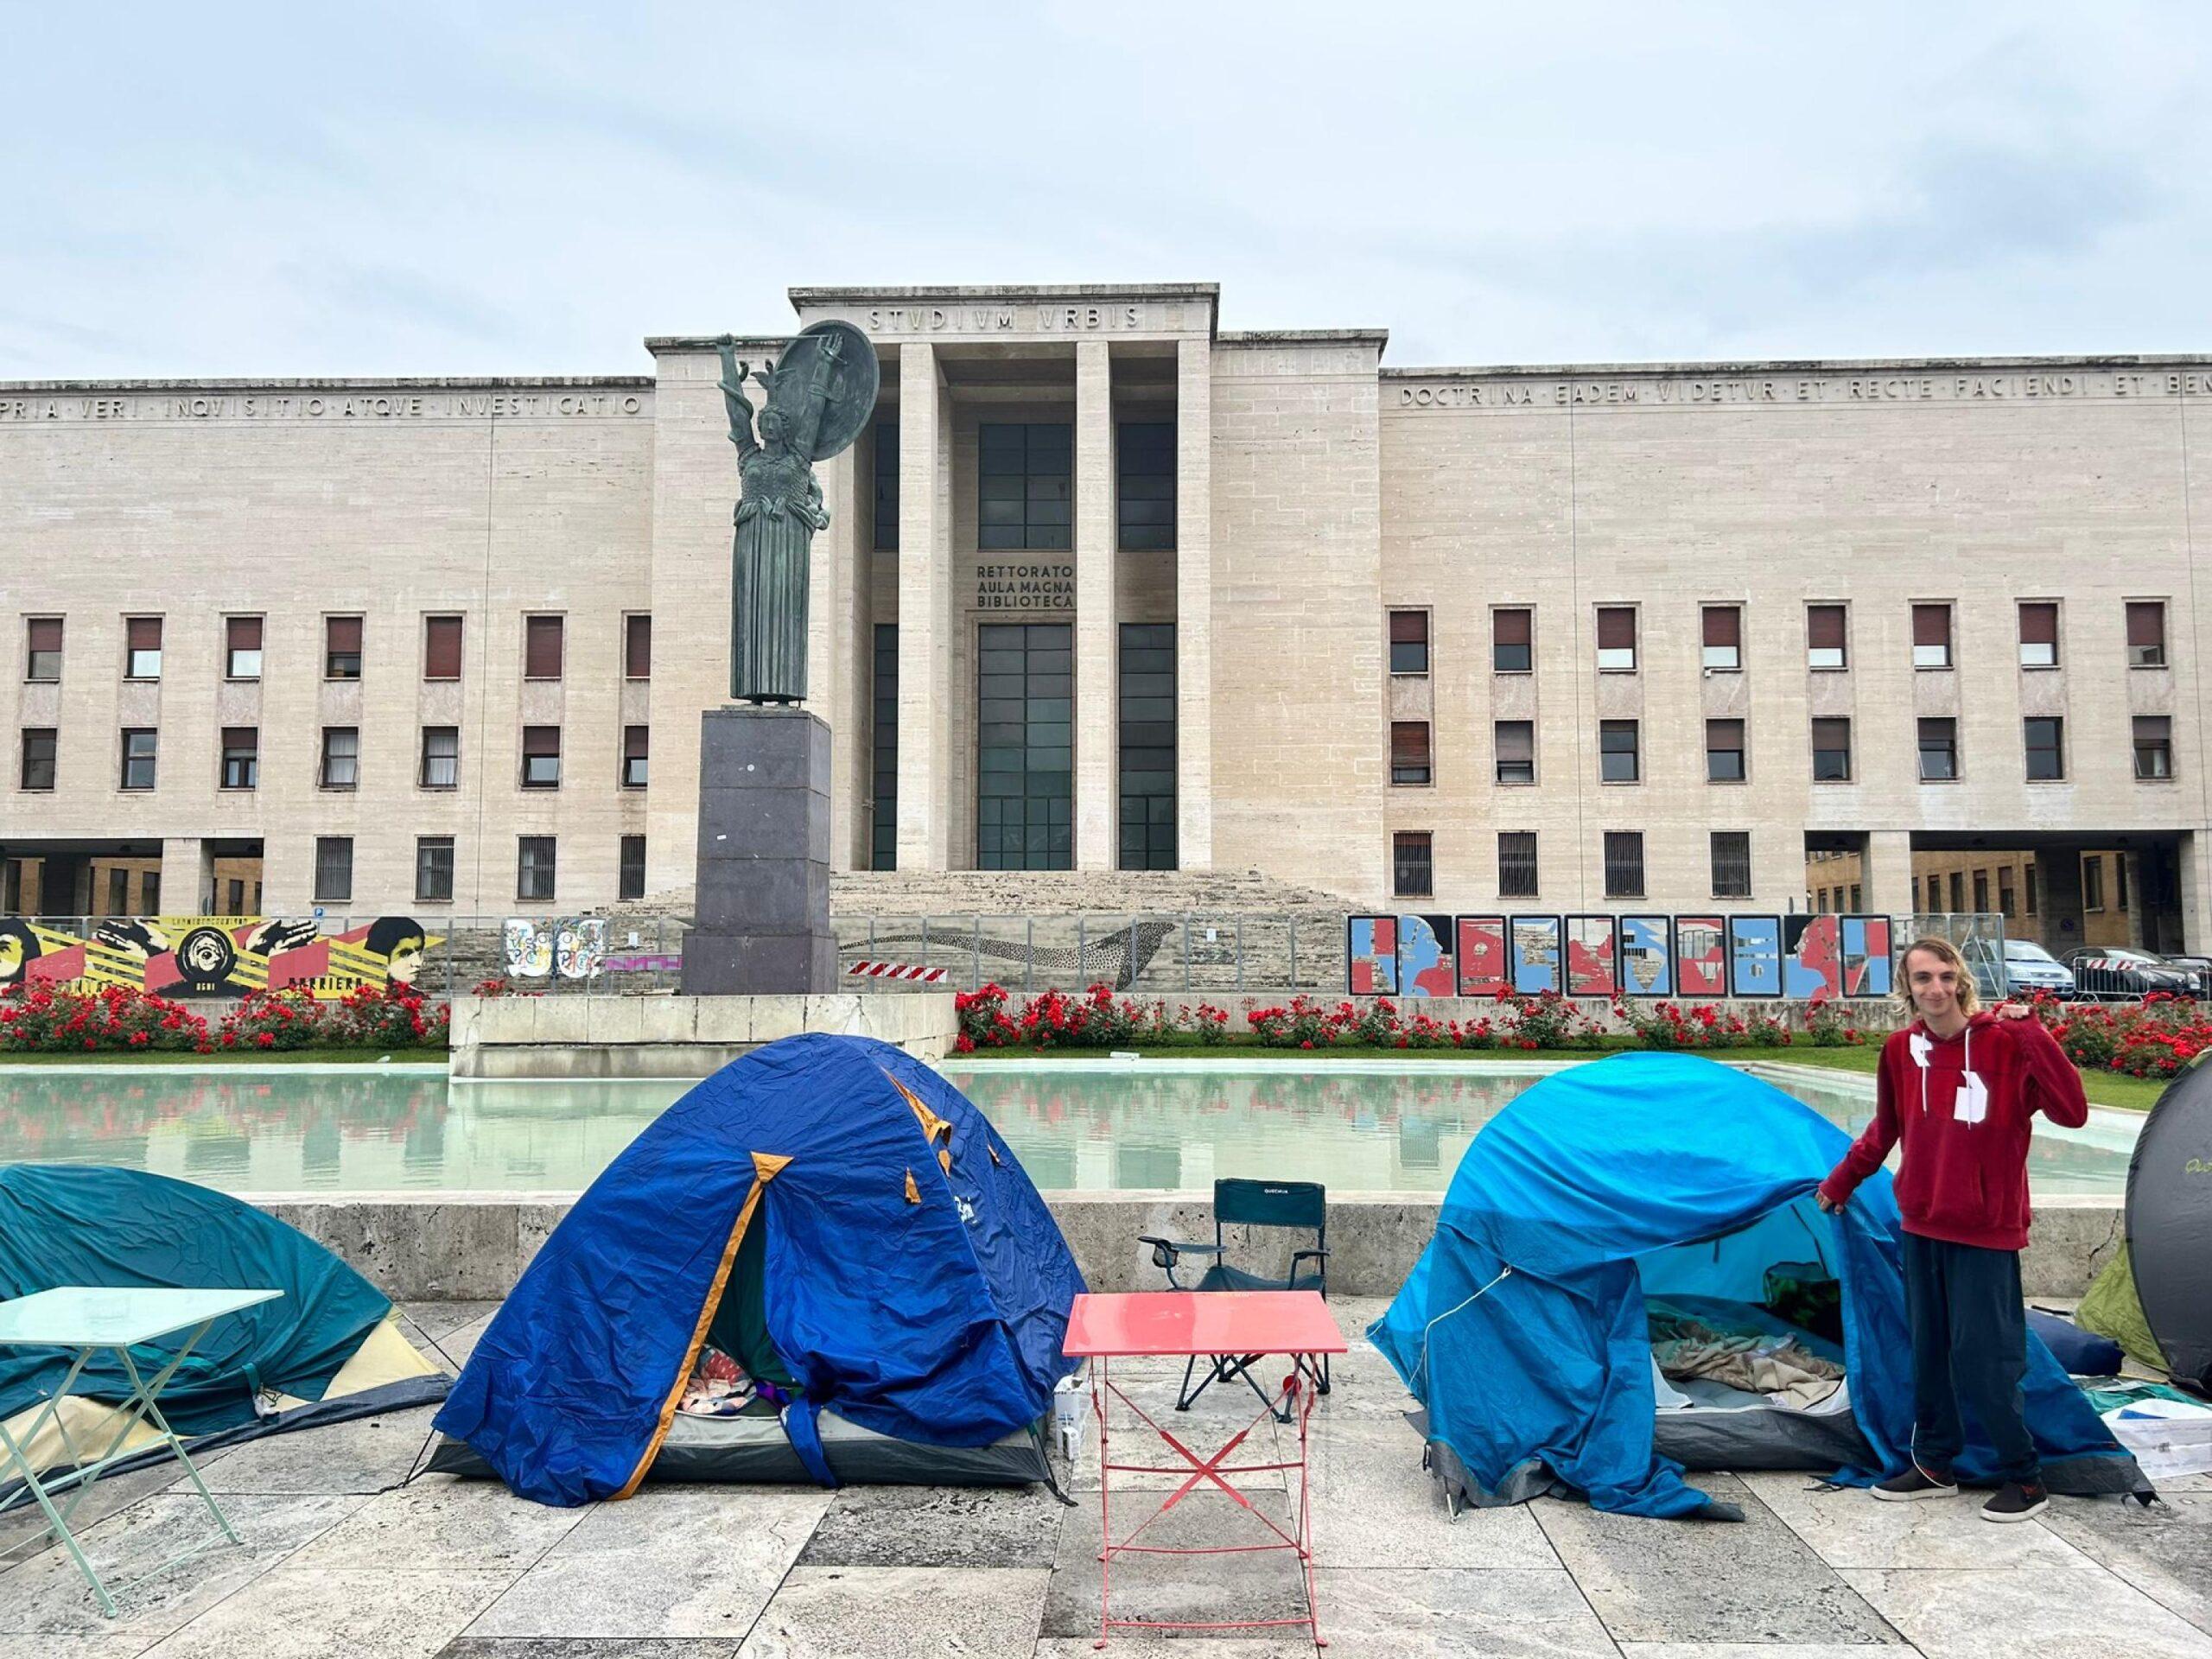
[1017,319]
[1026,587]
[1892,387]
[335,405]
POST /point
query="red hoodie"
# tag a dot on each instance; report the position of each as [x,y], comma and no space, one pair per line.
[1963,1109]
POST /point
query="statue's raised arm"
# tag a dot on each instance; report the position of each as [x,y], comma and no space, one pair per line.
[734,398]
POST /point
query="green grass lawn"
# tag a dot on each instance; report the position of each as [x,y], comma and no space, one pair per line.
[2103,1088]
[238,1056]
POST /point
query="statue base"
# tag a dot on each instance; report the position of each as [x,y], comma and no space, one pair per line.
[762,921]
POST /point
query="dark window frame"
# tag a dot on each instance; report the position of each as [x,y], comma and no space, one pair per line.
[134,649]
[1030,508]
[1409,654]
[1499,761]
[637,645]
[1842,647]
[1146,738]
[1412,764]
[1520,875]
[424,759]
[331,761]
[1722,850]
[1838,770]
[341,662]
[2158,742]
[1513,656]
[51,760]
[884,460]
[1940,649]
[1610,751]
[1145,487]
[2027,646]
[1623,863]
[1741,752]
[325,864]
[434,631]
[1413,864]
[49,656]
[540,777]
[1616,651]
[538,626]
[629,872]
[1948,748]
[1731,661]
[234,653]
[241,762]
[2150,650]
[151,755]
[537,859]
[427,868]
[2056,748]
[637,742]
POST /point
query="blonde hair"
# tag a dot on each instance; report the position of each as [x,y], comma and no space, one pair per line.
[1944,951]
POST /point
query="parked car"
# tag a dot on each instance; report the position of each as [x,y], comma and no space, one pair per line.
[2029,969]
[2113,973]
[2199,969]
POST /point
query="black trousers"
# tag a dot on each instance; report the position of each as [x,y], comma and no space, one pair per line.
[1970,1350]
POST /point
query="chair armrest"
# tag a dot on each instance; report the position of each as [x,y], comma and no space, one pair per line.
[1305,1255]
[1178,1245]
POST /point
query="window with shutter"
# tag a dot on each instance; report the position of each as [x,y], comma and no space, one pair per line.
[2146,633]
[1724,751]
[1516,744]
[143,648]
[541,757]
[442,648]
[2039,634]
[637,647]
[42,639]
[1931,636]
[1939,750]
[1831,751]
[1409,759]
[1409,642]
[634,757]
[1824,636]
[1512,641]
[243,647]
[1616,639]
[341,650]
[541,657]
[1724,637]
[2154,747]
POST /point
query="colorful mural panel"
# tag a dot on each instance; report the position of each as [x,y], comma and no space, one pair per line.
[1424,957]
[1866,951]
[1701,955]
[216,955]
[1536,954]
[1592,957]
[1647,956]
[1755,955]
[1812,958]
[573,946]
[1372,950]
[1484,969]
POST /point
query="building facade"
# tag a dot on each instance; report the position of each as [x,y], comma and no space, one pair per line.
[1108,587]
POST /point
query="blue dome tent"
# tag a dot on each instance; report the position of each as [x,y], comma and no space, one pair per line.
[1524,1330]
[328,1350]
[831,1212]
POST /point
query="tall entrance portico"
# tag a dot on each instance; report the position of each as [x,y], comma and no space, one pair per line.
[1015,594]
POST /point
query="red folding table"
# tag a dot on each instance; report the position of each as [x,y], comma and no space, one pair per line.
[1245,1325]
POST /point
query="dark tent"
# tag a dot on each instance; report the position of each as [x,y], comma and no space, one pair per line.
[2170,1224]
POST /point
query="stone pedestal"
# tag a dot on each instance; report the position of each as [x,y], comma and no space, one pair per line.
[763,907]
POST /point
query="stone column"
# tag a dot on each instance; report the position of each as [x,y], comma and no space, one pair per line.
[925,710]
[1194,604]
[1097,619]
[1886,872]
[836,681]
[188,871]
[2058,896]
[2193,864]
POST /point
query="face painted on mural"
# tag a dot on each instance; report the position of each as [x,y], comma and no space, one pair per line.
[401,941]
[18,947]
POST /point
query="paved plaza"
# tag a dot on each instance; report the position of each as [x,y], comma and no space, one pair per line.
[342,1560]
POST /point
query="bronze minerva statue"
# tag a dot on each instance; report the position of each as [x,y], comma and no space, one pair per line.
[817,399]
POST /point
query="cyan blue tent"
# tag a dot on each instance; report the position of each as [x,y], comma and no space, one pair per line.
[324,1350]
[1523,1330]
[913,1286]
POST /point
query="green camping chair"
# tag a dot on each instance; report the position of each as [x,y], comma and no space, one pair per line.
[1300,1205]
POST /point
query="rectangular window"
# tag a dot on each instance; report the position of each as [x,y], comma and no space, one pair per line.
[2093,882]
[541,647]
[242,647]
[119,891]
[1144,465]
[141,638]
[1617,752]
[1025,801]
[234,895]
[1516,741]
[140,747]
[884,822]
[1512,641]
[1623,864]
[1731,863]
[1831,750]
[2006,899]
[341,648]
[886,486]
[1616,639]
[1023,493]
[1409,760]
[1409,642]
[149,892]
[241,757]
[440,757]
[441,647]
[638,646]
[541,757]
[2046,749]
[634,757]
[1982,892]
[2039,634]
[341,757]
[1411,872]
[39,745]
[333,868]
[1934,894]
[1939,750]
[1931,636]
[1958,905]
[433,870]
[2119,880]
[2028,888]
[42,648]
[2154,746]
[1824,637]
[1724,637]
[1517,864]
[1147,739]
[1724,751]
[1857,903]
[534,857]
[631,879]
[2146,633]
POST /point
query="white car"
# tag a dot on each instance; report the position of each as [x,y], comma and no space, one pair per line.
[2029,968]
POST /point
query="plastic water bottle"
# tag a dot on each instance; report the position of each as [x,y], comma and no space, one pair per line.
[1069,1407]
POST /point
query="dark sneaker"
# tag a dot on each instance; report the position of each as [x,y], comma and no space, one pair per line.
[2016,1500]
[1916,1482]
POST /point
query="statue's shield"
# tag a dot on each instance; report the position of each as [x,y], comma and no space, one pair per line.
[840,357]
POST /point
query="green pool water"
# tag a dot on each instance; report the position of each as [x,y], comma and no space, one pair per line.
[1092,1125]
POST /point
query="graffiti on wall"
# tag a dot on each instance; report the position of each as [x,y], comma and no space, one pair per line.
[537,947]
[1811,958]
[215,955]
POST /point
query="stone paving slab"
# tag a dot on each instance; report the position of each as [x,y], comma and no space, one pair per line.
[444,1524]
[1539,1614]
[48,1596]
[1753,1581]
[676,1561]
[1846,1528]
[2164,1551]
[890,1612]
[2046,1613]
[314,1613]
[589,1647]
[936,1526]
[21,1529]
[367,1455]
[76,1647]
[1204,1588]
[1374,1506]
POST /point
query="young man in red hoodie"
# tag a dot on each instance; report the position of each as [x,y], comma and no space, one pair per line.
[1960,1089]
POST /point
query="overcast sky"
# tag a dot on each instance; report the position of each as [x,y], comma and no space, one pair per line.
[455,189]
